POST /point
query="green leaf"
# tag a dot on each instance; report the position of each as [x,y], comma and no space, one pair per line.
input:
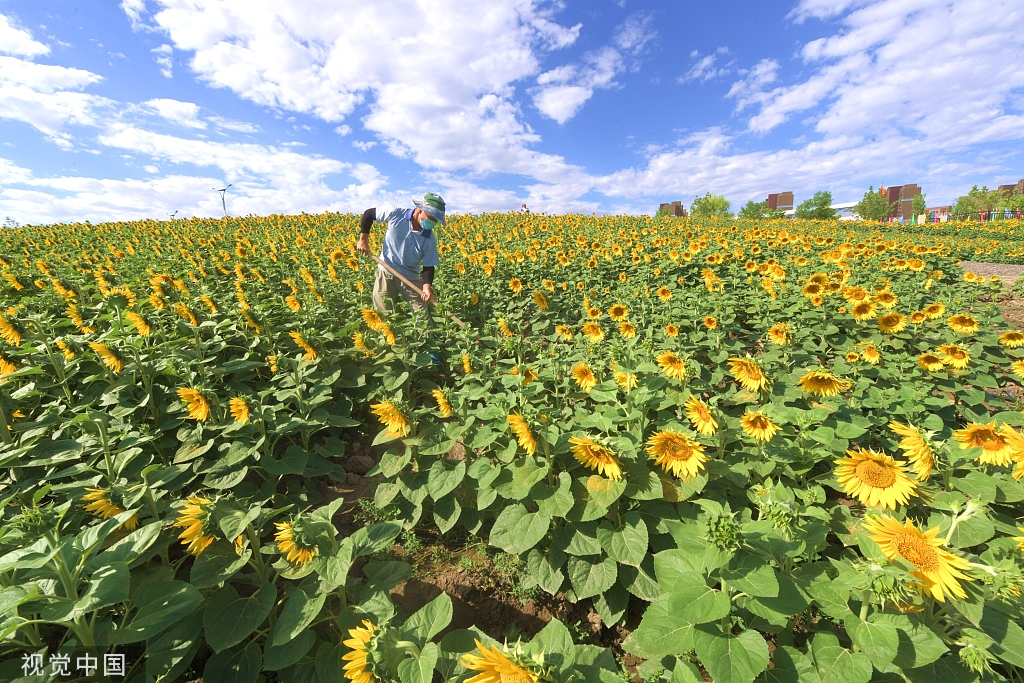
[128,549]
[694,550]
[277,657]
[578,538]
[790,665]
[880,642]
[238,667]
[836,664]
[430,619]
[160,605]
[299,612]
[175,648]
[591,577]
[753,576]
[611,605]
[918,644]
[557,502]
[694,601]
[217,564]
[374,538]
[790,600]
[229,619]
[661,632]
[1008,635]
[108,585]
[524,477]
[640,580]
[330,663]
[730,659]
[516,530]
[628,543]
[943,670]
[546,568]
[446,513]
[442,481]
[419,669]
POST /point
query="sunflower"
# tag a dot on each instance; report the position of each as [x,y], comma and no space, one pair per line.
[594,312]
[529,375]
[593,331]
[1012,339]
[516,285]
[139,323]
[627,329]
[186,314]
[886,299]
[1019,539]
[963,324]
[821,383]
[101,506]
[239,409]
[563,332]
[360,345]
[194,518]
[9,333]
[710,322]
[916,448]
[757,426]
[673,365]
[917,317]
[852,357]
[392,417]
[517,423]
[495,667]
[996,449]
[678,455]
[875,478]
[198,407]
[359,669]
[110,359]
[929,362]
[1017,367]
[671,330]
[309,351]
[504,328]
[817,300]
[540,300]
[954,356]
[293,303]
[626,380]
[444,408]
[69,353]
[293,551]
[864,310]
[595,456]
[700,416]
[664,293]
[779,334]
[891,323]
[618,312]
[934,311]
[937,570]
[584,377]
[748,373]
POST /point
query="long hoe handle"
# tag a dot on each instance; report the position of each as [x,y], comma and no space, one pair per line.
[409,282]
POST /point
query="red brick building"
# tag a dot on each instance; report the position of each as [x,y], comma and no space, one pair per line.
[1009,189]
[781,201]
[674,208]
[901,198]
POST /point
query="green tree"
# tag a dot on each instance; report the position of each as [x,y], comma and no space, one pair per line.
[974,202]
[873,206]
[1014,201]
[754,209]
[710,206]
[818,207]
[663,211]
[919,204]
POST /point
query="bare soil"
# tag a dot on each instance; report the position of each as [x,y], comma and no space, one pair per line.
[1007,272]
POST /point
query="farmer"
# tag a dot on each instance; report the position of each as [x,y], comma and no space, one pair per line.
[408,243]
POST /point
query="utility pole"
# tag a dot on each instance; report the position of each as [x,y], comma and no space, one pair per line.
[223,191]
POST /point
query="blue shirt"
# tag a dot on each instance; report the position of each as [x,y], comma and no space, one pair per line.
[404,248]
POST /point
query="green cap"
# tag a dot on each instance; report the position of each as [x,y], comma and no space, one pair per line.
[433,204]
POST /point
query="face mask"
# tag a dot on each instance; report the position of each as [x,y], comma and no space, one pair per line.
[428,223]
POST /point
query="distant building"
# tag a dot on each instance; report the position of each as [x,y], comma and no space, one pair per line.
[901,200]
[845,211]
[781,201]
[938,214]
[674,208]
[1009,189]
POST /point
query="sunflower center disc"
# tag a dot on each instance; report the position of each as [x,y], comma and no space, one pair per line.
[874,474]
[917,552]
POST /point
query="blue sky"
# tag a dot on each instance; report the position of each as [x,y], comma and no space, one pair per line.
[139,109]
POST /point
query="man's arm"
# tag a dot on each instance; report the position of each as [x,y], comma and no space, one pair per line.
[363,245]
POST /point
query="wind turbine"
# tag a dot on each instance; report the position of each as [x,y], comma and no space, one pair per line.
[171,216]
[223,191]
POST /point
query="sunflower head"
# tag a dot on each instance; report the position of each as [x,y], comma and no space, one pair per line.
[300,539]
[677,454]
[195,518]
[596,456]
[822,383]
[584,377]
[748,373]
[937,571]
[673,366]
[618,312]
[504,665]
[996,448]
[963,324]
[875,479]
[392,417]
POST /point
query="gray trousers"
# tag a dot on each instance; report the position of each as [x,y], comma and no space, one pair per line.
[387,286]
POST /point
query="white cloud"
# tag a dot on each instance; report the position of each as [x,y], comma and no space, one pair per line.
[185,114]
[164,59]
[363,146]
[343,130]
[18,41]
[704,69]
[237,126]
[150,169]
[562,91]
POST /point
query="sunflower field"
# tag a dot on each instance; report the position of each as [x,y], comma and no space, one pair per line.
[777,451]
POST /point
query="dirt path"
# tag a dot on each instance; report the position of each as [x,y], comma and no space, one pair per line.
[1007,272]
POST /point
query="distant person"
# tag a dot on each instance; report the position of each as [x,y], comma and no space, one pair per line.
[523,209]
[409,243]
